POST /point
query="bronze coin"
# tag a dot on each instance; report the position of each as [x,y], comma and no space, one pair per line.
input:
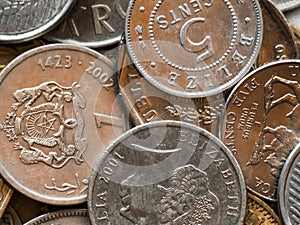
[260,124]
[258,212]
[193,48]
[278,38]
[57,115]
[5,195]
[146,103]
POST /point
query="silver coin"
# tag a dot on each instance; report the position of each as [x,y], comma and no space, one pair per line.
[167,172]
[22,20]
[289,189]
[286,5]
[92,23]
[64,217]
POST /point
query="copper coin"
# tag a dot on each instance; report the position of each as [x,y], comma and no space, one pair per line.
[92,23]
[23,20]
[5,195]
[10,217]
[258,212]
[65,217]
[58,114]
[278,40]
[146,103]
[260,124]
[167,172]
[193,49]
[289,189]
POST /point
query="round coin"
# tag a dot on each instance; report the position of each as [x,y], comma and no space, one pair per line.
[258,212]
[58,113]
[65,217]
[193,48]
[167,172]
[289,189]
[260,124]
[24,20]
[286,5]
[92,23]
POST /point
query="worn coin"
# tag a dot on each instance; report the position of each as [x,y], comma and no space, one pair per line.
[146,103]
[260,124]
[193,48]
[286,5]
[92,23]
[57,115]
[278,40]
[65,217]
[5,195]
[23,20]
[167,172]
[289,189]
[258,212]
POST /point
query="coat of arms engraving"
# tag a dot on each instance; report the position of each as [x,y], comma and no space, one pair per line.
[46,124]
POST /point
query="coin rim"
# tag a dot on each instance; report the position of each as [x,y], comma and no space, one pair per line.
[8,175]
[165,123]
[241,73]
[41,30]
[231,95]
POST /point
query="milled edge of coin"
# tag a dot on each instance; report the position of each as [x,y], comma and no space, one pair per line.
[282,184]
[180,124]
[265,206]
[58,214]
[221,88]
[221,126]
[5,72]
[30,35]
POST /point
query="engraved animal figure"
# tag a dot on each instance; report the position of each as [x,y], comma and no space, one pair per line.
[188,200]
[45,124]
[292,99]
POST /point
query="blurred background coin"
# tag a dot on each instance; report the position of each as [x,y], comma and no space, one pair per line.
[23,20]
[58,114]
[289,189]
[191,49]
[260,124]
[167,172]
[92,23]
[64,217]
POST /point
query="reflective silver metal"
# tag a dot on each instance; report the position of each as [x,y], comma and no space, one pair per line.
[286,5]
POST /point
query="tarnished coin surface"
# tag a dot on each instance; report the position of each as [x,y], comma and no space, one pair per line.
[5,195]
[58,113]
[10,217]
[286,5]
[279,41]
[146,103]
[23,20]
[64,217]
[258,212]
[92,23]
[261,125]
[289,189]
[193,48]
[167,172]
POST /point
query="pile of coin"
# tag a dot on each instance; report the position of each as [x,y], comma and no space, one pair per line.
[167,112]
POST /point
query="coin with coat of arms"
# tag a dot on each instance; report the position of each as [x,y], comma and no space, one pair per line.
[57,115]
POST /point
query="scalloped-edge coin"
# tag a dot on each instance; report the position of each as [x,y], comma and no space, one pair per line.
[193,48]
[289,189]
[23,20]
[167,172]
[63,217]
